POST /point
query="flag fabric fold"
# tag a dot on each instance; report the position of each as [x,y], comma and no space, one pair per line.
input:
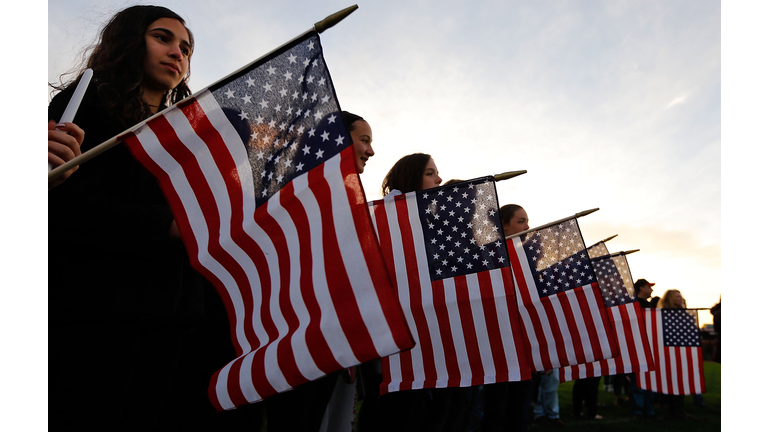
[615,282]
[562,312]
[445,250]
[260,175]
[677,354]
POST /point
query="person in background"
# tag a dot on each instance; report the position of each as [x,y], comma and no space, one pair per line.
[408,410]
[411,173]
[643,291]
[641,401]
[585,391]
[673,299]
[349,384]
[362,138]
[506,404]
[715,311]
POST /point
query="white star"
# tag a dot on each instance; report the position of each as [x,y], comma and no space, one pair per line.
[325,136]
[292,58]
[246,99]
[243,115]
[230,94]
[250,82]
[319,154]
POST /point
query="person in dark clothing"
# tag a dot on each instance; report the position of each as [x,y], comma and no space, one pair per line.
[585,392]
[641,401]
[643,291]
[506,403]
[715,311]
[133,329]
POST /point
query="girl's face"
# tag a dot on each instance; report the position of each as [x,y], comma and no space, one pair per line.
[517,223]
[430,178]
[166,61]
[677,300]
[362,138]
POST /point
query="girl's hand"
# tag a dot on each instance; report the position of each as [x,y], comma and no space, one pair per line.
[63,146]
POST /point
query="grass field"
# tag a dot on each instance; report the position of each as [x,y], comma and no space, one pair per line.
[617,418]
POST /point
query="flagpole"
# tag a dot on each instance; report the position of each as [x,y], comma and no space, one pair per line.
[508,175]
[604,240]
[577,215]
[319,27]
[615,254]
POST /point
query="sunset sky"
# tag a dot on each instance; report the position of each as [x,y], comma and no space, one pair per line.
[608,104]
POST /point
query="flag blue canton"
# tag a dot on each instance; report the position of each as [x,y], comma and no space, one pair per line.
[558,258]
[680,328]
[462,229]
[610,273]
[286,112]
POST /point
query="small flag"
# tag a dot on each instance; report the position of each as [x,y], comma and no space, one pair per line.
[598,249]
[260,174]
[445,250]
[561,309]
[676,343]
[615,282]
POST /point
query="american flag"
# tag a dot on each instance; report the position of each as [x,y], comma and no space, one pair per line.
[616,287]
[445,249]
[260,174]
[561,309]
[598,249]
[676,345]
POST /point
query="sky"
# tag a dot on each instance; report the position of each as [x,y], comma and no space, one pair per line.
[607,104]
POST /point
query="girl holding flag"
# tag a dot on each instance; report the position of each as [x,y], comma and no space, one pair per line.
[131,323]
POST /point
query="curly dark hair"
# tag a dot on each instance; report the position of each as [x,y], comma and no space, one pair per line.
[117,61]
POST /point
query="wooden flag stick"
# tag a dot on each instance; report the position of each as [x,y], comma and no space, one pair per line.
[319,27]
[603,240]
[615,254]
[508,175]
[577,215]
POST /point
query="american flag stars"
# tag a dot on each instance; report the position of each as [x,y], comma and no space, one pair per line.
[286,113]
[558,258]
[680,328]
[462,229]
[613,285]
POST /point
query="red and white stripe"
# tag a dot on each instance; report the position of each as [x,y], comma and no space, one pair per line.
[634,350]
[562,329]
[305,287]
[677,370]
[466,328]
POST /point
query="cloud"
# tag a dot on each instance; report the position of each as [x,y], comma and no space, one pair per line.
[678,100]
